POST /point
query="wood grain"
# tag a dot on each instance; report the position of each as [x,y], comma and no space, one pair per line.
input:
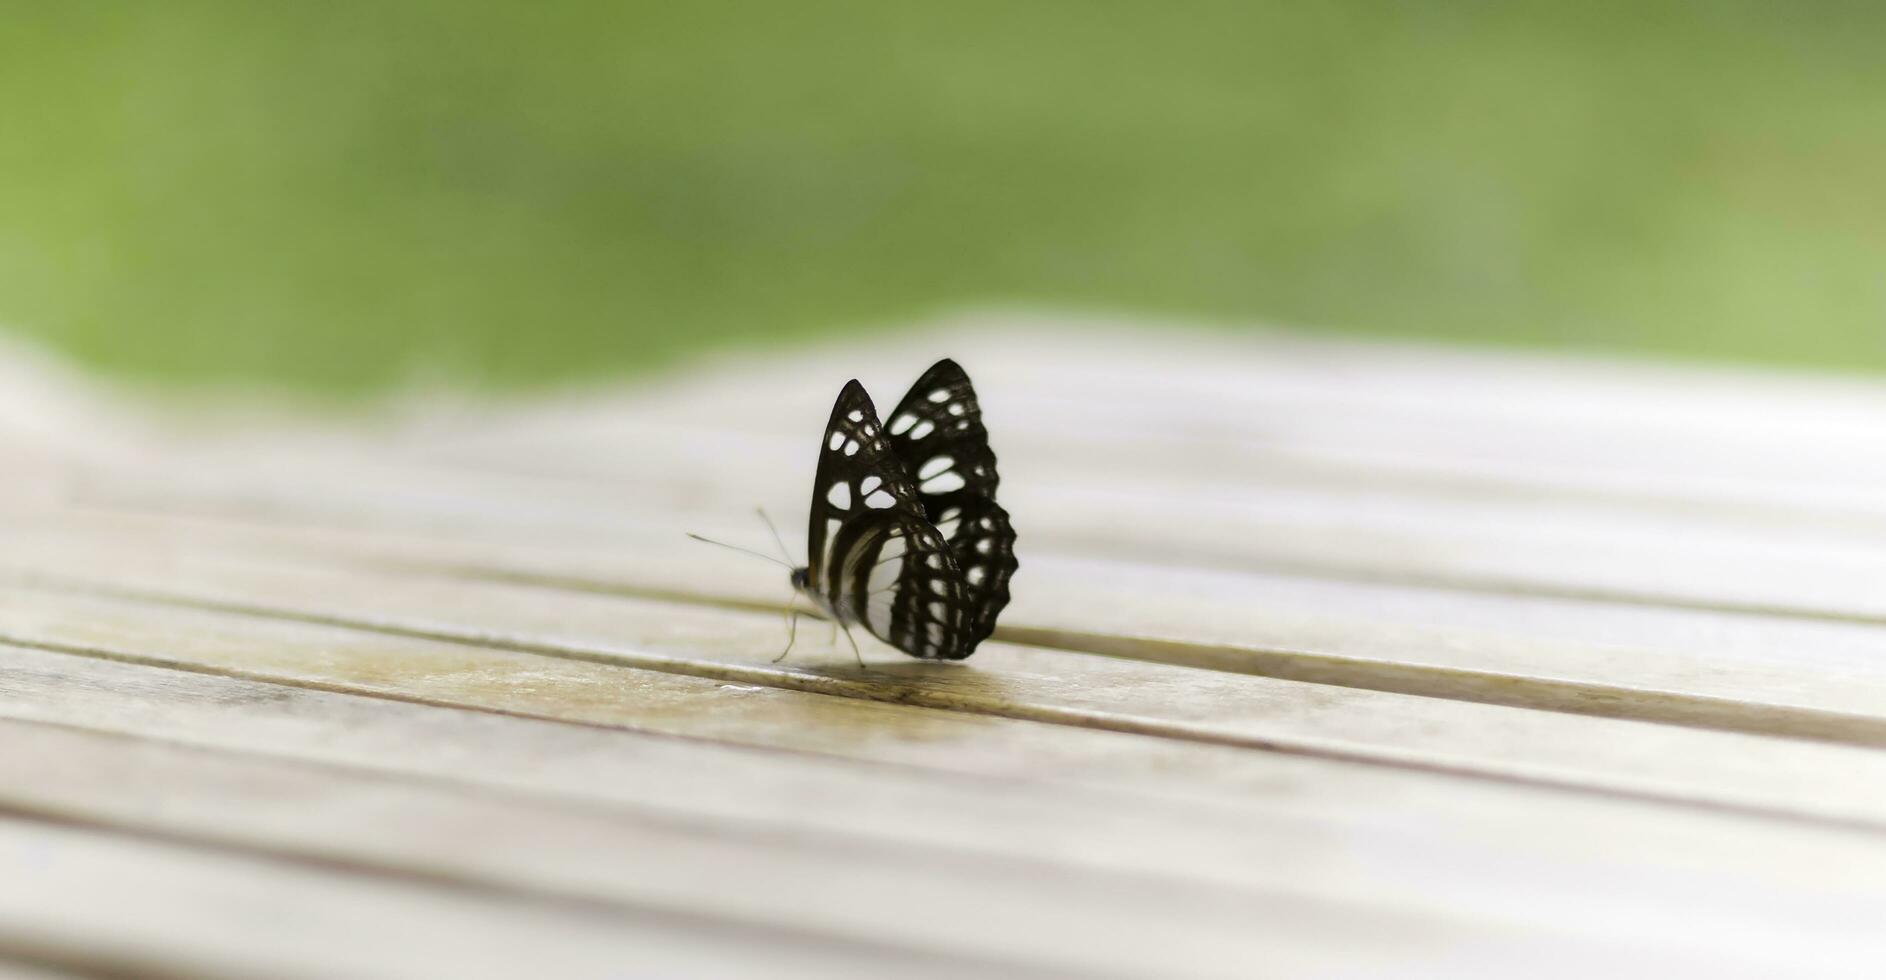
[1325,659]
[1025,840]
[98,903]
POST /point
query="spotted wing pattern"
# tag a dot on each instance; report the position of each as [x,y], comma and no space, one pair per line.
[872,555]
[938,435]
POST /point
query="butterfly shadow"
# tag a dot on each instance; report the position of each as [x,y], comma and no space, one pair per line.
[950,685]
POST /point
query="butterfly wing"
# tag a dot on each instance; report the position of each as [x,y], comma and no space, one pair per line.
[897,576]
[938,435]
[871,553]
[982,541]
[857,472]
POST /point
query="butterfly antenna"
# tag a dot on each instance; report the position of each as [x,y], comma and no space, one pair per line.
[744,551]
[777,539]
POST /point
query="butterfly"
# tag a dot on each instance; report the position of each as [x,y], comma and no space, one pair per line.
[905,536]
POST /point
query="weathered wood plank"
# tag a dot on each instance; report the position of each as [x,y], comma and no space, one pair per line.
[78,900]
[570,643]
[1753,447]
[1460,853]
[1413,526]
[1757,674]
[1032,915]
[1539,547]
[29,967]
[1738,672]
[1573,414]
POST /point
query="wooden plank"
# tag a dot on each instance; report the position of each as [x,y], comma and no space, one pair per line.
[1084,455]
[572,639]
[1381,533]
[1392,521]
[1085,375]
[1556,423]
[1453,857]
[1026,915]
[1103,403]
[1767,675]
[99,904]
[23,970]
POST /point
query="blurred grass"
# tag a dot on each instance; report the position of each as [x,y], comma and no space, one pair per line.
[339,195]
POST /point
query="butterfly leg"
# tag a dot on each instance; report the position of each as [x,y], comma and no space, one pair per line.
[854,647]
[792,628]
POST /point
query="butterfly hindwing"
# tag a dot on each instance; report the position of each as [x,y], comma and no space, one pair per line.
[937,433]
[982,541]
[900,580]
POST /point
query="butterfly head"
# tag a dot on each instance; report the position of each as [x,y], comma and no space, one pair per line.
[802,579]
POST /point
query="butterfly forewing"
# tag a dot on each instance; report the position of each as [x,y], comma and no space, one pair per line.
[857,474]
[873,556]
[937,433]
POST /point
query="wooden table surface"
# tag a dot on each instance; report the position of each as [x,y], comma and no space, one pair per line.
[1325,659]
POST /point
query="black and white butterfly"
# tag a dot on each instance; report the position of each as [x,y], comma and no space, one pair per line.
[905,537]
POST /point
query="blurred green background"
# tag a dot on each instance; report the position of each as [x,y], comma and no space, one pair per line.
[345,195]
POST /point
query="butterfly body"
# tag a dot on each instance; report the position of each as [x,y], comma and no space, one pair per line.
[905,537]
